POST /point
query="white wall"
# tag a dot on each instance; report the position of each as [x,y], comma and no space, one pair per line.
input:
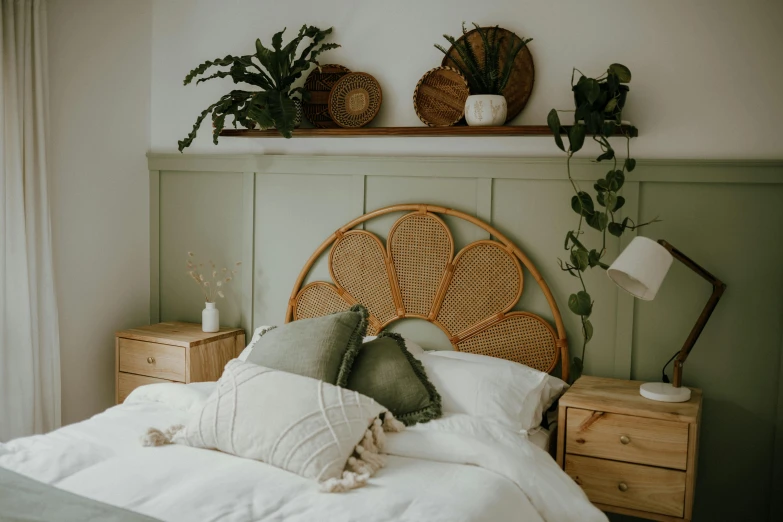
[706,74]
[99,56]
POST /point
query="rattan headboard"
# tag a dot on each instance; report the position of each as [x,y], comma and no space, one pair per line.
[469,296]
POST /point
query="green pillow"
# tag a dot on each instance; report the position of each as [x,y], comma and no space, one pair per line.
[323,348]
[385,370]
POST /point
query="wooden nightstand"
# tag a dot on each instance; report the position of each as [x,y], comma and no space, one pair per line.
[629,454]
[172,352]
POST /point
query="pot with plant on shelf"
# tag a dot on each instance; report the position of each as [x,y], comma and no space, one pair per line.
[277,104]
[487,70]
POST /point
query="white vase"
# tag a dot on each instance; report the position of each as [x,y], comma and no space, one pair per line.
[210,318]
[484,110]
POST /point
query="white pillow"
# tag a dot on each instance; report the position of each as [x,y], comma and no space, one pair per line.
[510,393]
[414,348]
[303,425]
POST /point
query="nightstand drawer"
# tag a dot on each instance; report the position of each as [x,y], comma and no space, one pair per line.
[627,438]
[153,360]
[630,486]
[127,382]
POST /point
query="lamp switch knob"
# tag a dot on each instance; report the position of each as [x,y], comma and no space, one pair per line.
[622,486]
[625,439]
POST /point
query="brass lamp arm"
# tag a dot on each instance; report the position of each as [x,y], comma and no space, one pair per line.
[718,287]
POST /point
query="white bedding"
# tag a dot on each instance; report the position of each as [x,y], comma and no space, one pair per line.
[454,469]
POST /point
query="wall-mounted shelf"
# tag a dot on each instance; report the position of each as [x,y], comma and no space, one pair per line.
[440,132]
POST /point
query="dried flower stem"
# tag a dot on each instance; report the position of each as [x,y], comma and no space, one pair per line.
[211,287]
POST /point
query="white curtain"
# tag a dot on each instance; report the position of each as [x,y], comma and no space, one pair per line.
[29,339]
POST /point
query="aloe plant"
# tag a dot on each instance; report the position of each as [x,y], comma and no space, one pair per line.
[485,76]
[274,72]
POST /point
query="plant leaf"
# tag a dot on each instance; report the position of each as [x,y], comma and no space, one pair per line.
[553,120]
[619,204]
[587,330]
[609,154]
[580,259]
[583,204]
[283,111]
[576,368]
[616,229]
[580,303]
[576,137]
[630,164]
[621,71]
[616,179]
[597,220]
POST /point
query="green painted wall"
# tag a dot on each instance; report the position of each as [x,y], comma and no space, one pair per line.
[273,211]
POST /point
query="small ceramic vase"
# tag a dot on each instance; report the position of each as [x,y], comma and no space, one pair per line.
[484,110]
[210,318]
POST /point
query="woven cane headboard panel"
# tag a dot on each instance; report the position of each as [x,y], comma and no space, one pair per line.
[416,274]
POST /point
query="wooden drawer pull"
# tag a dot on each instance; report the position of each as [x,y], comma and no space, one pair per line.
[625,439]
[151,360]
[622,486]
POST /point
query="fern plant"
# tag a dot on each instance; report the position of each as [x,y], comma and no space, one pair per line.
[273,72]
[485,76]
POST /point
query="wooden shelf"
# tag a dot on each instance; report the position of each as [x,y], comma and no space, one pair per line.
[432,132]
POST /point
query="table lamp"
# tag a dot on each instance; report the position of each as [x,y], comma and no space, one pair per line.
[639,270]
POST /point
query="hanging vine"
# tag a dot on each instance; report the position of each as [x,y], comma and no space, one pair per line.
[599,105]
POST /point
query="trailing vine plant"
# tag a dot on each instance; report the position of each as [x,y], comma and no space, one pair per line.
[599,104]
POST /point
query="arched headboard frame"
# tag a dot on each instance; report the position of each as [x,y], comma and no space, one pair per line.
[468,295]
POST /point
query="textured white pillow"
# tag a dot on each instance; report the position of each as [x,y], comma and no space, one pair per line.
[510,393]
[296,423]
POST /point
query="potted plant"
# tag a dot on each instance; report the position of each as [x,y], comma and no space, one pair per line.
[486,77]
[599,105]
[599,100]
[276,103]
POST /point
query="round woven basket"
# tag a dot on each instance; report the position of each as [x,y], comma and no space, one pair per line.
[355,100]
[439,97]
[520,84]
[319,83]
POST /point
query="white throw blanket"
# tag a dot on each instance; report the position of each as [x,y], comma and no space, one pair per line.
[507,478]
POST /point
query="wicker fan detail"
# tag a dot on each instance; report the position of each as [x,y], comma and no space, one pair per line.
[469,296]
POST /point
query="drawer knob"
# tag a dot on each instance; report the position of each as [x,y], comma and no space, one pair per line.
[151,360]
[625,439]
[622,486]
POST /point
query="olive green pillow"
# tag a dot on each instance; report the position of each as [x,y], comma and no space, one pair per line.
[385,370]
[323,348]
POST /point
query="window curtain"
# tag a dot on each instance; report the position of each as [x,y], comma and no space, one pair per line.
[29,339]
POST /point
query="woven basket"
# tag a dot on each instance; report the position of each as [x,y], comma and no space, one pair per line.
[355,100]
[439,97]
[319,83]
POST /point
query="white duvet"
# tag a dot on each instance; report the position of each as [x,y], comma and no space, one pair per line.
[454,469]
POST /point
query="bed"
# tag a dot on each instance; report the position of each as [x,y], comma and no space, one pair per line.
[457,468]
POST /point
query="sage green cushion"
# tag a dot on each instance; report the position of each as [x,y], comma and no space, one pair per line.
[385,370]
[323,348]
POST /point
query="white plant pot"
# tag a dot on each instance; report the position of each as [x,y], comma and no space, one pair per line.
[484,110]
[210,318]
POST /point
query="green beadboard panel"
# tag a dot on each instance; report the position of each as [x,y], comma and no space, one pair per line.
[199,212]
[728,216]
[734,232]
[536,215]
[294,214]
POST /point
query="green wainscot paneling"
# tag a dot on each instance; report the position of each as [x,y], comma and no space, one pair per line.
[273,212]
[200,212]
[735,232]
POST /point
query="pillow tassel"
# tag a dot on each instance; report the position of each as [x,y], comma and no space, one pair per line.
[367,458]
[155,437]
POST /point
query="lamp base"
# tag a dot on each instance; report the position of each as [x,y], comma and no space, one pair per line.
[664,392]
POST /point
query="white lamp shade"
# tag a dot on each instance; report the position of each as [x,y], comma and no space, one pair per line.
[641,268]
